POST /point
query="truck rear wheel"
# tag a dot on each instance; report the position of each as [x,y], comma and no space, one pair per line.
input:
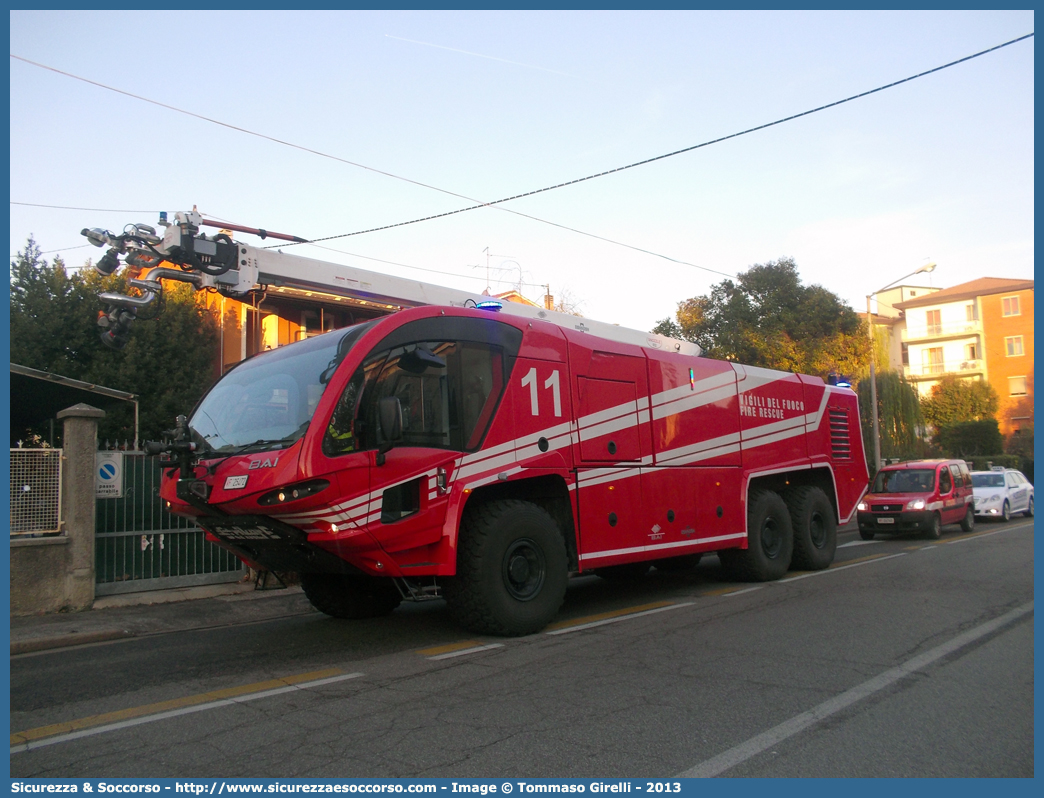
[770,541]
[511,569]
[351,596]
[815,528]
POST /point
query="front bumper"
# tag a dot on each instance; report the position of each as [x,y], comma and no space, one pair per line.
[989,510]
[273,545]
[906,521]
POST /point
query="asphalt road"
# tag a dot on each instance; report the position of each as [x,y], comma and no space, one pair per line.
[906,658]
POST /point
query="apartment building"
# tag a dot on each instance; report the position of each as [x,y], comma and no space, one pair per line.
[980,330]
[889,320]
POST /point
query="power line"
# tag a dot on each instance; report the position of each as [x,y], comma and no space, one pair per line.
[479,204]
[497,203]
[693,147]
[210,215]
[422,268]
[52,251]
[93,210]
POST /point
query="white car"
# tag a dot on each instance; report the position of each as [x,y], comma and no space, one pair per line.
[1001,492]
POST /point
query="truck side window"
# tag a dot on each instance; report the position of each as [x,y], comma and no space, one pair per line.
[448,391]
[483,381]
[340,433]
[419,376]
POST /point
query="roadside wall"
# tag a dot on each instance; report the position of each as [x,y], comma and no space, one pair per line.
[56,574]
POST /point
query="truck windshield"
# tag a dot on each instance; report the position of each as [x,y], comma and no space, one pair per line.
[267,402]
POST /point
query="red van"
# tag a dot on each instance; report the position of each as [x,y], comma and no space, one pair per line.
[918,496]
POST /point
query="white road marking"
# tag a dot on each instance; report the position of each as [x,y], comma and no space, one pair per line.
[462,652]
[619,618]
[840,568]
[225,702]
[741,592]
[762,742]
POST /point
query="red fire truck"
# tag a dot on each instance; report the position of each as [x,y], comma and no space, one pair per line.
[447,450]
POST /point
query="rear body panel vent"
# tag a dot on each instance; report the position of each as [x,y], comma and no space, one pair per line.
[840,434]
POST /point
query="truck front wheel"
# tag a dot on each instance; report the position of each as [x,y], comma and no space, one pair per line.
[511,569]
[770,541]
[351,596]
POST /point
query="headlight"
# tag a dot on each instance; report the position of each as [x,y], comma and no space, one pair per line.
[292,492]
[915,504]
[862,507]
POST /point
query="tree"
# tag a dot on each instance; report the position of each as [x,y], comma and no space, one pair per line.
[566,302]
[766,317]
[169,361]
[48,330]
[899,418]
[953,399]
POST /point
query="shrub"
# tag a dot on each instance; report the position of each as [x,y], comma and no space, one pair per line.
[970,438]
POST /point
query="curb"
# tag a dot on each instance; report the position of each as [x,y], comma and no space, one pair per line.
[64,641]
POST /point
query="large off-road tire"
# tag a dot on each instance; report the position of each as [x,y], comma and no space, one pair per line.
[685,562]
[1006,512]
[770,541]
[815,528]
[512,569]
[968,522]
[934,531]
[351,596]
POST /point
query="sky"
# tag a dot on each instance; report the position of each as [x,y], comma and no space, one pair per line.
[338,122]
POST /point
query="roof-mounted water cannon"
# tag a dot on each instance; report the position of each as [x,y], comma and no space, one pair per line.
[141,247]
[178,449]
[122,309]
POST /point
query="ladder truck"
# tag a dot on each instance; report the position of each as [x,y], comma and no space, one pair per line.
[484,453]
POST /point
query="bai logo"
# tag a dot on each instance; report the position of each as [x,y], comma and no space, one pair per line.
[266,463]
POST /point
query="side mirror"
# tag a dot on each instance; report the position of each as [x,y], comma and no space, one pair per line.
[389,415]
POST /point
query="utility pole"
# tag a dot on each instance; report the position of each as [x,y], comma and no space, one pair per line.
[876,425]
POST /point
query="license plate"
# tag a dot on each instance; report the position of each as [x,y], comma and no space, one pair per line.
[886,520]
[246,532]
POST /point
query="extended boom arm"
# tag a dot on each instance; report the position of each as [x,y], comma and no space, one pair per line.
[235,270]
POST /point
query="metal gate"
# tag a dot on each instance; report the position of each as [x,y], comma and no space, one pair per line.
[36,492]
[140,546]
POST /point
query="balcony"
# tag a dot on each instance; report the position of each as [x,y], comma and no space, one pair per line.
[932,371]
[951,329]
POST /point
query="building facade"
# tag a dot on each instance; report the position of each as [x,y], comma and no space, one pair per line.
[980,330]
[283,315]
[889,319]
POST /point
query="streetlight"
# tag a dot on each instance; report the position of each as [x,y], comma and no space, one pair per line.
[928,267]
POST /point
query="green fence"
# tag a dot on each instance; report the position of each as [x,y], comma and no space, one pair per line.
[140,546]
